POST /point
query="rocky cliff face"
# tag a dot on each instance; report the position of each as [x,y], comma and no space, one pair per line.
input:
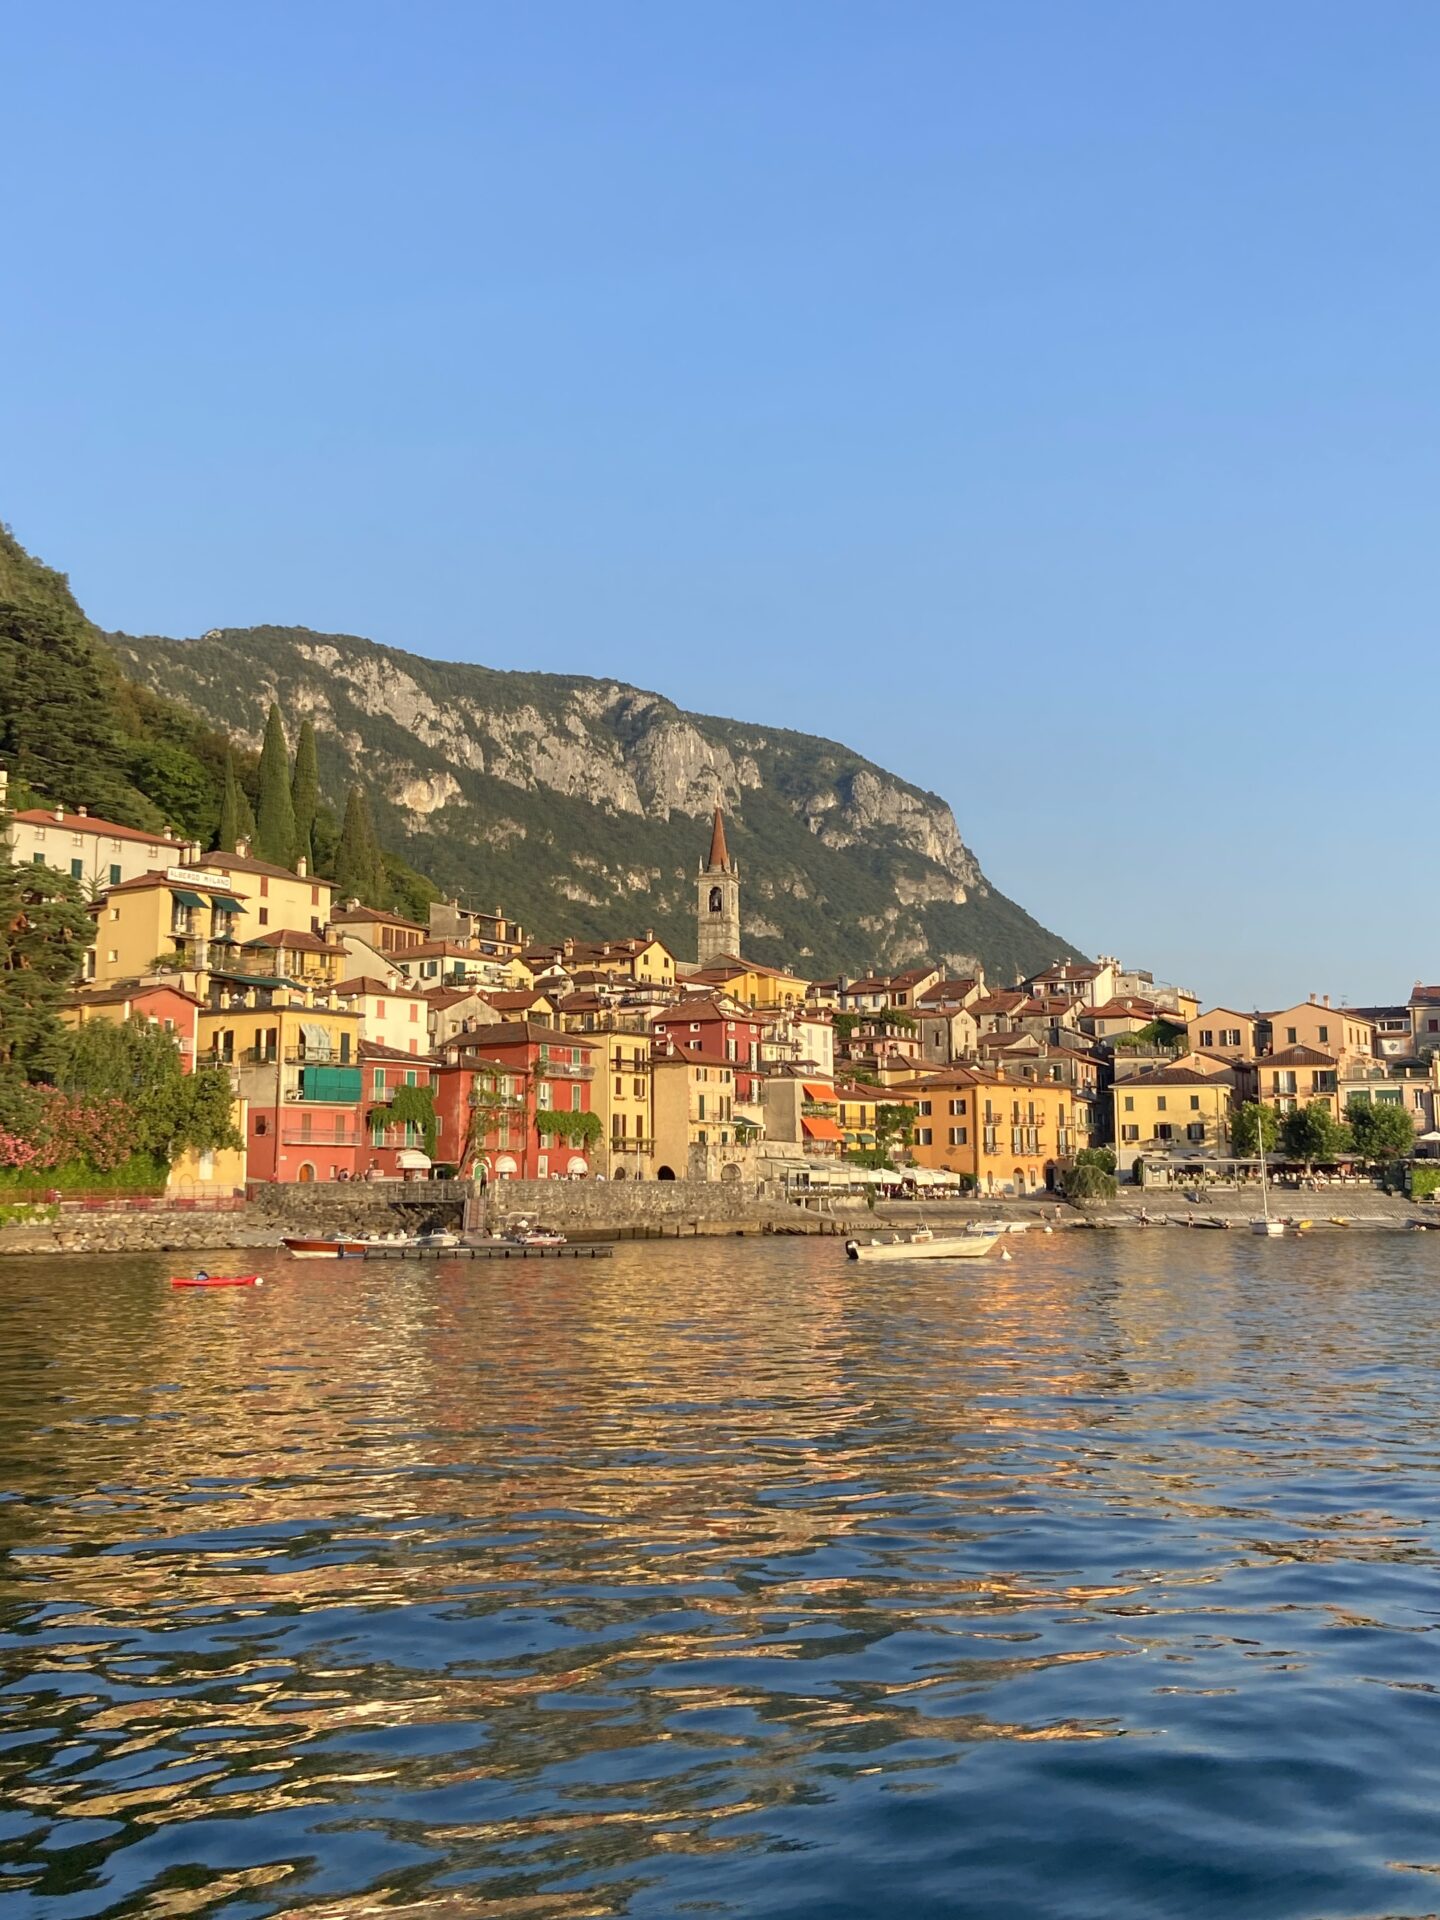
[583,803]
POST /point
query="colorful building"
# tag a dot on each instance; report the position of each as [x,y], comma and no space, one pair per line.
[1172,1111]
[99,853]
[510,1080]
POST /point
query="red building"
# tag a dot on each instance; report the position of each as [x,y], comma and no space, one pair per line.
[395,1148]
[513,1075]
[708,1031]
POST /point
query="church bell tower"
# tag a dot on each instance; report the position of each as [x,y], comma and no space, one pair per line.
[717,904]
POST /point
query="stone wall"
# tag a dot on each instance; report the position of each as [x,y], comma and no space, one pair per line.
[620,1204]
[156,1232]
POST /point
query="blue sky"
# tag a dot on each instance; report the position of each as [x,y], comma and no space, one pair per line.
[1041,399]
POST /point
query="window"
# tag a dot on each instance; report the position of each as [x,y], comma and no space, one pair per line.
[1230,1037]
[1129,1103]
[114,876]
[40,833]
[112,956]
[114,914]
[1195,1131]
[1163,1131]
[959,1137]
[925,1136]
[77,839]
[924,1107]
[1129,1133]
[77,869]
[957,1106]
[1160,1103]
[1207,1036]
[38,860]
[575,1093]
[1291,1035]
[700,1110]
[377,1080]
[1195,1103]
[1324,1033]
[264,916]
[412,1078]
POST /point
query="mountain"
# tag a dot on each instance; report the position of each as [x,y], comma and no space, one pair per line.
[582,805]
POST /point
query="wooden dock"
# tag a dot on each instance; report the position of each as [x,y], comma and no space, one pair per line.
[496,1251]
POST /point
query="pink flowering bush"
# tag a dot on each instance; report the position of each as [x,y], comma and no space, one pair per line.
[65,1128]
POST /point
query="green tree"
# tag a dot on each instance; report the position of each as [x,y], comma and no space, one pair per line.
[275,815]
[1381,1130]
[59,734]
[305,792]
[1249,1122]
[1088,1182]
[44,932]
[229,829]
[1101,1157]
[176,782]
[892,1127]
[1313,1133]
[359,869]
[168,1109]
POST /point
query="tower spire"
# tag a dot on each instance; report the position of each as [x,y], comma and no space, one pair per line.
[719,852]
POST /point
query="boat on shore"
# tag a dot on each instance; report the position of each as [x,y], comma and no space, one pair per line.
[324,1249]
[923,1245]
[523,1236]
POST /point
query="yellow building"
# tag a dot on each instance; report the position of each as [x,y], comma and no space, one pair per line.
[1298,1077]
[694,1106]
[622,1095]
[1172,1110]
[295,1056]
[855,1112]
[1009,1136]
[751,984]
[195,917]
[1325,1029]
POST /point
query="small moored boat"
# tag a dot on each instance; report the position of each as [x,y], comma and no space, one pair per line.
[324,1249]
[923,1246]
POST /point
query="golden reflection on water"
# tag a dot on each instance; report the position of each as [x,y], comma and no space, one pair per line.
[743,1508]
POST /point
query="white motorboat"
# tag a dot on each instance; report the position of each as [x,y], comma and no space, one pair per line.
[923,1245]
[436,1238]
[998,1226]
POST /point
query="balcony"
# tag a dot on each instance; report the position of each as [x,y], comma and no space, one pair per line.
[335,1085]
[257,1057]
[563,1070]
[307,1057]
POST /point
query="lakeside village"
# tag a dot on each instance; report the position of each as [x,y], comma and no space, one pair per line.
[356,1044]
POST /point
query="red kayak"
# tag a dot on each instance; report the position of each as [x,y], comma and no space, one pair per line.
[217,1280]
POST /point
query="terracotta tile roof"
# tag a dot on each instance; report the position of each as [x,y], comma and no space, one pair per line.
[518,1000]
[123,990]
[1133,1008]
[944,990]
[1171,1077]
[91,823]
[295,937]
[246,863]
[512,1033]
[1298,1057]
[367,983]
[372,1050]
[1004,1001]
[355,916]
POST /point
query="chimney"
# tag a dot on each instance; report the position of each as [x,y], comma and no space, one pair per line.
[302,867]
[59,813]
[1325,999]
[242,847]
[84,812]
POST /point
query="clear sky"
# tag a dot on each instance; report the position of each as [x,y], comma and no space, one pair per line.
[1041,399]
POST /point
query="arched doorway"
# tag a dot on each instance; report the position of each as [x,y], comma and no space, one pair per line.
[666,1173]
[306,1173]
[730,1173]
[1050,1176]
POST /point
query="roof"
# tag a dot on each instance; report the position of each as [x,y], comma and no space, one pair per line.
[91,823]
[444,949]
[516,1000]
[510,1033]
[719,852]
[443,998]
[1129,1008]
[1231,1013]
[293,937]
[1005,1000]
[245,863]
[357,916]
[372,1050]
[123,990]
[912,975]
[1298,1057]
[1421,996]
[1172,1077]
[367,983]
[729,964]
[873,984]
[817,1127]
[944,990]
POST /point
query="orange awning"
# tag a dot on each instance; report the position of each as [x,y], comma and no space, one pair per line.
[816,1129]
[814,1091]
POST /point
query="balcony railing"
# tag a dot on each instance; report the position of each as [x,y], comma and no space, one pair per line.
[258,1057]
[306,1057]
[564,1070]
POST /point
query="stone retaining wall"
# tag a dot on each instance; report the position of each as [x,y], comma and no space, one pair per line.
[620,1204]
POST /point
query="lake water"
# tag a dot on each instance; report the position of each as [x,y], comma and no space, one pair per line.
[727,1579]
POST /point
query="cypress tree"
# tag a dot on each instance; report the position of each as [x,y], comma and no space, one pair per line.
[229,831]
[305,792]
[275,817]
[359,870]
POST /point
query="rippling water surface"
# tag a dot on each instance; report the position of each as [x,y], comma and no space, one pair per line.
[727,1579]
